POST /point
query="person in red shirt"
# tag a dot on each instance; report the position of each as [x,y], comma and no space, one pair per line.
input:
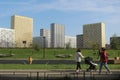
[103,60]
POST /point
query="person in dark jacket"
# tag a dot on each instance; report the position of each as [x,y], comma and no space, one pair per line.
[103,60]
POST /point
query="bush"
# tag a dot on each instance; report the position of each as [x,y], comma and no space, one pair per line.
[36,47]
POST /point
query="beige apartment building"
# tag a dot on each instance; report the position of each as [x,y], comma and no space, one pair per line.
[94,35]
[23,27]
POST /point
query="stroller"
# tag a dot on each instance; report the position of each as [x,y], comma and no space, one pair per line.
[89,61]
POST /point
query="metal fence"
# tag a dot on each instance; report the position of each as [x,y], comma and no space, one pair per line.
[58,76]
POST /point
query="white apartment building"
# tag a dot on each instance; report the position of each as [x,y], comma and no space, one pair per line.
[57,36]
[45,34]
[37,41]
[70,41]
[6,37]
[94,34]
[40,41]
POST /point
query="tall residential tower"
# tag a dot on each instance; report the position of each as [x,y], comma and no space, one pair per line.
[94,35]
[57,36]
[23,27]
[44,33]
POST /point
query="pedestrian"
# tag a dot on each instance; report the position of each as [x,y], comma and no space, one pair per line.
[78,58]
[30,59]
[103,60]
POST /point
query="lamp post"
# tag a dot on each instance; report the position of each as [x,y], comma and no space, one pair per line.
[44,47]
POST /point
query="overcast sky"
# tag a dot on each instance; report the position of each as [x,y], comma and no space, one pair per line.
[73,14]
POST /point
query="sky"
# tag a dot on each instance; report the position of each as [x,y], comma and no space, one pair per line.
[73,14]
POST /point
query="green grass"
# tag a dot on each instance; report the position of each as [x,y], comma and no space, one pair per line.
[50,66]
[50,53]
[25,53]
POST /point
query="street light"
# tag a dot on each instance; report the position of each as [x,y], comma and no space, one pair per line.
[44,47]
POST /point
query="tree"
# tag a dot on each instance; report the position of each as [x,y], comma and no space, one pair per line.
[114,42]
[95,48]
[36,47]
[68,45]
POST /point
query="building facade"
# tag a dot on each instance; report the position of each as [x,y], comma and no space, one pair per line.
[94,35]
[79,43]
[6,38]
[37,41]
[45,34]
[70,42]
[23,27]
[57,36]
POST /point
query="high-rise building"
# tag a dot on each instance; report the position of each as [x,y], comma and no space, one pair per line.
[94,35]
[6,37]
[23,27]
[44,33]
[57,36]
[79,41]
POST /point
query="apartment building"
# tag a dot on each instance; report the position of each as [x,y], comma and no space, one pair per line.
[57,35]
[23,27]
[94,35]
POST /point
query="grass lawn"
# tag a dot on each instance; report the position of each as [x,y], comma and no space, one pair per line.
[51,53]
[25,53]
[52,66]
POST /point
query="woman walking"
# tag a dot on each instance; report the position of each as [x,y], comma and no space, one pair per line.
[78,58]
